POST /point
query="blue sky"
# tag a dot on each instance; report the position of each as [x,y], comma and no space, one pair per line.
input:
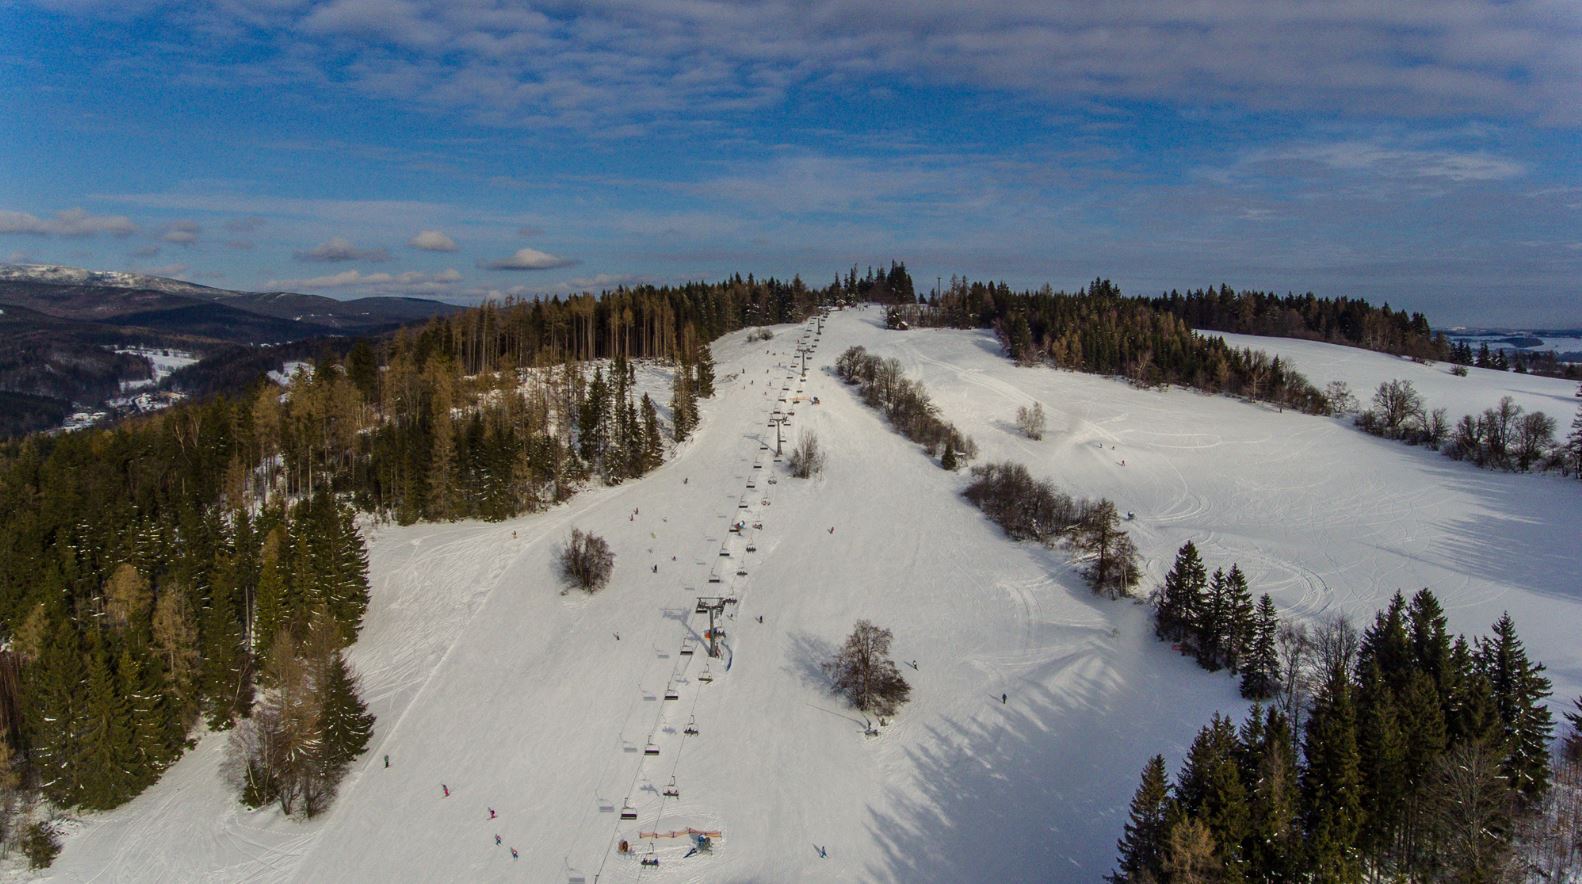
[1424,153]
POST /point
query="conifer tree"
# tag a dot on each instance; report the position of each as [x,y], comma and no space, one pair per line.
[1274,841]
[653,443]
[222,676]
[1422,719]
[274,601]
[1260,670]
[1213,622]
[1382,744]
[1240,622]
[948,460]
[440,476]
[1182,595]
[1211,791]
[106,758]
[1519,688]
[683,404]
[56,712]
[705,370]
[1572,745]
[1431,641]
[1142,846]
[1331,781]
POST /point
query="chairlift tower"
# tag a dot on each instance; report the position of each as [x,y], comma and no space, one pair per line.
[713,606]
[778,420]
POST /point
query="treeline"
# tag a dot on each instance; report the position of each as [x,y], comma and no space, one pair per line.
[203,562]
[1349,321]
[1545,362]
[1398,753]
[884,385]
[1504,437]
[1099,331]
[1031,509]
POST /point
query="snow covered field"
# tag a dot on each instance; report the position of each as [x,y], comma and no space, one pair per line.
[519,699]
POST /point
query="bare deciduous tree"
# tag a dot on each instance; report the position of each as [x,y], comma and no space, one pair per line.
[863,671]
[806,459]
[586,561]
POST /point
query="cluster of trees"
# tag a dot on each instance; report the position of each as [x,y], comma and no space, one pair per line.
[892,286]
[1031,509]
[1403,753]
[1520,361]
[309,725]
[1031,421]
[1349,321]
[116,669]
[190,564]
[863,672]
[1099,331]
[884,385]
[1214,619]
[1505,437]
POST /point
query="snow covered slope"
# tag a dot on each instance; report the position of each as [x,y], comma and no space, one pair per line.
[487,680]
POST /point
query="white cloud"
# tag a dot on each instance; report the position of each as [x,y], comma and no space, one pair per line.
[432,241]
[71,222]
[181,232]
[529,259]
[411,281]
[338,249]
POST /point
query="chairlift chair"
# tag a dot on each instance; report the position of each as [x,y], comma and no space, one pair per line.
[628,812]
[651,749]
[707,677]
[671,791]
[692,726]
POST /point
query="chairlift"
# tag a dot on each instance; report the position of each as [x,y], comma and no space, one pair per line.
[714,578]
[671,694]
[628,812]
[725,553]
[707,677]
[671,791]
[650,859]
[741,572]
[751,548]
[686,649]
[651,749]
[692,726]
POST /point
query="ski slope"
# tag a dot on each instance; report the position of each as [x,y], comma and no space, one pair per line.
[488,680]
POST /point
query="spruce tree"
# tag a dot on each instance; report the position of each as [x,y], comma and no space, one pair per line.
[1431,641]
[105,758]
[56,711]
[1331,781]
[1383,745]
[1519,688]
[221,676]
[1213,622]
[1387,643]
[1181,597]
[1211,790]
[1572,745]
[1422,718]
[1240,622]
[1260,670]
[273,597]
[653,442]
[1142,846]
[705,370]
[1273,850]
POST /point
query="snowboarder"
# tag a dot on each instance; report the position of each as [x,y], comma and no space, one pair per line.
[445,789]
[685,480]
[491,813]
[760,618]
[387,761]
[823,854]
[656,569]
[1002,699]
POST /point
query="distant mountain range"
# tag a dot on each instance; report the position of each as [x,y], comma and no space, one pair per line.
[59,327]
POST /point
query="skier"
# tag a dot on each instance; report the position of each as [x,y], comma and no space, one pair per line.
[491,813]
[760,618]
[823,854]
[1002,699]
[832,529]
[497,840]
[514,854]
[617,636]
[446,789]
[656,569]
[387,761]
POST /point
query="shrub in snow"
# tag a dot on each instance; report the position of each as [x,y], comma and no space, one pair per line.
[38,842]
[863,672]
[761,334]
[1031,421]
[586,561]
[806,459]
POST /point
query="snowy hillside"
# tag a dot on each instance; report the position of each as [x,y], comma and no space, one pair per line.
[56,274]
[541,706]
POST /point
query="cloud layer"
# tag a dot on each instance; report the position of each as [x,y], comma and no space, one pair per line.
[70,222]
[432,241]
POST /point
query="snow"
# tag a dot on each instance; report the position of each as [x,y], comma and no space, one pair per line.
[162,360]
[60,275]
[486,679]
[1364,370]
[288,370]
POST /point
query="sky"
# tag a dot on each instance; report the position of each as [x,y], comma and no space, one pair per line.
[1427,154]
